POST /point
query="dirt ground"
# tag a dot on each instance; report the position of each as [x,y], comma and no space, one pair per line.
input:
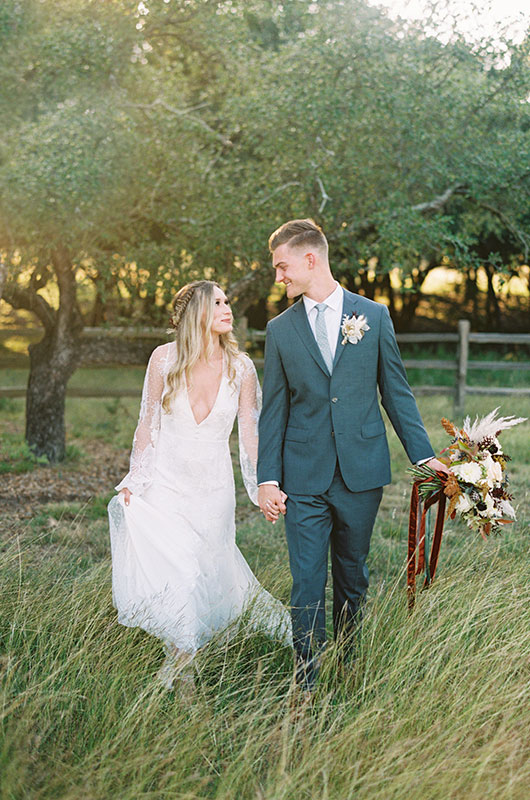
[100,469]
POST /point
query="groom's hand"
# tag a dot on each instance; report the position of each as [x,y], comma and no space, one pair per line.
[271,501]
[437,465]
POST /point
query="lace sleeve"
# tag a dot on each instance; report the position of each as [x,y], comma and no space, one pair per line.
[140,474]
[248,416]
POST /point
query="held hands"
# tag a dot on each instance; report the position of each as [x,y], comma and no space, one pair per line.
[271,501]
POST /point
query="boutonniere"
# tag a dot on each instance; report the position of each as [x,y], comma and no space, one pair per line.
[353,328]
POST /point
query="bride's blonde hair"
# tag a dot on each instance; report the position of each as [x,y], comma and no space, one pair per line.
[191,319]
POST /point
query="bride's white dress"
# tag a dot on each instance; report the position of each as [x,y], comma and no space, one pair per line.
[176,570]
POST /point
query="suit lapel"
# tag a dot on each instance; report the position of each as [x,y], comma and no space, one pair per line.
[303,329]
[348,307]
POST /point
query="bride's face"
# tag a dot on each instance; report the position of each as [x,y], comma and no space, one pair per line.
[222,313]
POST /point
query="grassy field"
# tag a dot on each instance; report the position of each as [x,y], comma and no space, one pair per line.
[435,706]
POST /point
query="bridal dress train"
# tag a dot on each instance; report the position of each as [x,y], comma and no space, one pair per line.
[176,570]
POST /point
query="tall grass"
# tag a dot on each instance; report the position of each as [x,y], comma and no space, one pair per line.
[435,705]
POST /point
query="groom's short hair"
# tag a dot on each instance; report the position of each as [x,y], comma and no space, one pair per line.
[296,232]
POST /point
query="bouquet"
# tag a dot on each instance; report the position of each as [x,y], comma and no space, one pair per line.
[477,485]
[476,489]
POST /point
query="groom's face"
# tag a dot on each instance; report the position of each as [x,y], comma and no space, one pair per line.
[292,268]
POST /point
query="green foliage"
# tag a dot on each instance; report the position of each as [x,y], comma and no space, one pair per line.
[73,454]
[16,456]
[10,17]
[8,405]
[177,135]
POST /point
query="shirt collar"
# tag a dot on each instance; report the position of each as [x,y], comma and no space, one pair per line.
[334,300]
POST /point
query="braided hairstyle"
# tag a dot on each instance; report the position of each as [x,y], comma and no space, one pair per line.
[181,302]
[191,321]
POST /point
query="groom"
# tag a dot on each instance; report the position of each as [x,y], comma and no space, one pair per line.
[321,434]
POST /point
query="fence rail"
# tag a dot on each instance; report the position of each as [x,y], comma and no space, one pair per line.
[461,365]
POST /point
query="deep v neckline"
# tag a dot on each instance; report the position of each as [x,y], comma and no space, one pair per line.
[210,412]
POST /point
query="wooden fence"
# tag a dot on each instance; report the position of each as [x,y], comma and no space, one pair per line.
[460,365]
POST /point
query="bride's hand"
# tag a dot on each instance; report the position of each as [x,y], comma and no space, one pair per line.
[271,501]
[277,509]
[126,495]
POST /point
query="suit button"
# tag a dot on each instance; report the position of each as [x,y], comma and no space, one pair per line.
[332,434]
[334,399]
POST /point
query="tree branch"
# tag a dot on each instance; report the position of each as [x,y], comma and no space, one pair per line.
[518,234]
[441,200]
[276,191]
[39,278]
[182,112]
[325,196]
[20,297]
[431,206]
[69,319]
[248,289]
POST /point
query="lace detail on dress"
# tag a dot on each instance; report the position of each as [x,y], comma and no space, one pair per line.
[249,407]
[140,474]
[176,569]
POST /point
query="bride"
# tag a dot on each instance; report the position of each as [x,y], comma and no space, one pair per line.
[176,570]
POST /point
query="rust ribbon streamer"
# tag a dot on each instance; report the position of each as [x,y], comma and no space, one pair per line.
[418,512]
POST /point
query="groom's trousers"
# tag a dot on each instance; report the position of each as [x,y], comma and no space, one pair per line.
[341,521]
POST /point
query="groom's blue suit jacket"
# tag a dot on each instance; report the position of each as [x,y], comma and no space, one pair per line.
[309,418]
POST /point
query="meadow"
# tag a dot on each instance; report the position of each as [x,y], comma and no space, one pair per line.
[436,704]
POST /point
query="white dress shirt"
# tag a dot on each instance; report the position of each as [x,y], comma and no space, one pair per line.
[332,315]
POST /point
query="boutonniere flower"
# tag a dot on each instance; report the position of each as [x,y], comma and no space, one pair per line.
[353,328]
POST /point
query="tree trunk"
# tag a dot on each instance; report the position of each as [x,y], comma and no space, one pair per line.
[412,298]
[367,285]
[405,318]
[471,287]
[52,362]
[389,291]
[249,289]
[97,314]
[151,311]
[257,314]
[493,311]
[3,276]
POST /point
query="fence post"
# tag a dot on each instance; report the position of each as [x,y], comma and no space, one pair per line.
[463,352]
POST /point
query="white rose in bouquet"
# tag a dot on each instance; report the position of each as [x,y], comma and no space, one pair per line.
[493,471]
[470,472]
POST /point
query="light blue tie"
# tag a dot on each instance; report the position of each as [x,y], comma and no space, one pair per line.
[321,335]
